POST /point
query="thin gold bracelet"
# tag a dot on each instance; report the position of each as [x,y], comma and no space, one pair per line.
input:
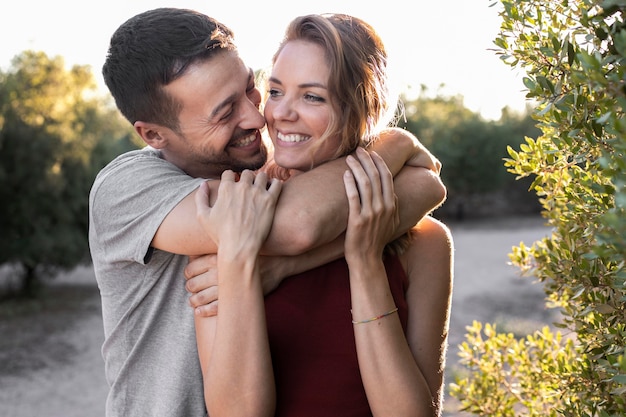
[390,312]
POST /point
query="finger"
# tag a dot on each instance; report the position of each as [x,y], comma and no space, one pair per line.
[390,199]
[361,179]
[354,201]
[199,265]
[202,199]
[275,188]
[228,175]
[247,176]
[370,168]
[202,280]
[386,179]
[261,180]
[206,310]
[204,297]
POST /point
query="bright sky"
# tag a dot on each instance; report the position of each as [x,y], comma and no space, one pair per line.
[438,42]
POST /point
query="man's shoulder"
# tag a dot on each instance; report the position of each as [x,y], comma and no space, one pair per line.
[146,154]
[133,165]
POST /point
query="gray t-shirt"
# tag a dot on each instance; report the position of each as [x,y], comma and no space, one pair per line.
[150,353]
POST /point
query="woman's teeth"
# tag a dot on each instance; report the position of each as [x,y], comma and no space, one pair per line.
[292,138]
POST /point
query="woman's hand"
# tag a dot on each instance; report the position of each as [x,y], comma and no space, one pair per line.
[243,213]
[373,214]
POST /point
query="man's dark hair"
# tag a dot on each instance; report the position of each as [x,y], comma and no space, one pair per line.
[154,48]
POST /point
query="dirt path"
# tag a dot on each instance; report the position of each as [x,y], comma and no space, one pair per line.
[54,368]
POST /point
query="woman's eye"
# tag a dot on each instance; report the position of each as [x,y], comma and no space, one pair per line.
[314,98]
[273,92]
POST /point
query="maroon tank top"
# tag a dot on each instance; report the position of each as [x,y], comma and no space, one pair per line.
[312,341]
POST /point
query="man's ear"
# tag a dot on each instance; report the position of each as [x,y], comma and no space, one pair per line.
[152,134]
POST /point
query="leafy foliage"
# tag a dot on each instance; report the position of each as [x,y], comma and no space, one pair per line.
[470,148]
[51,124]
[516,376]
[573,53]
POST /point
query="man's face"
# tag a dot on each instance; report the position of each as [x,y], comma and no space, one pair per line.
[219,120]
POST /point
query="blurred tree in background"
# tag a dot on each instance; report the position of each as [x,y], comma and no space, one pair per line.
[574,55]
[55,134]
[471,151]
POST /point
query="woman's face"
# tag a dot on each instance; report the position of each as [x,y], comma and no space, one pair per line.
[299,108]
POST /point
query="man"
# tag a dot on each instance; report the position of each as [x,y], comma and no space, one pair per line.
[176,76]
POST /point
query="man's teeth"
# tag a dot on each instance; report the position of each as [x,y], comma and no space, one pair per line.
[244,141]
[292,138]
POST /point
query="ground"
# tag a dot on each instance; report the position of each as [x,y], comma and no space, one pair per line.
[50,362]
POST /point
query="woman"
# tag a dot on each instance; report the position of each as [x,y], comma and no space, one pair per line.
[326,91]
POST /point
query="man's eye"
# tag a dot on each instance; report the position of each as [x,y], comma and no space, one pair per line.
[227,115]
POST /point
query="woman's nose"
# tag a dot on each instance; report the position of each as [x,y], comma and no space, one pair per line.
[284,110]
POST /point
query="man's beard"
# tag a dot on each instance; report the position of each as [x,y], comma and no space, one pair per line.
[252,164]
[220,163]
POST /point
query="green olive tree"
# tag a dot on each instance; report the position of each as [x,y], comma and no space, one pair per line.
[574,56]
[55,133]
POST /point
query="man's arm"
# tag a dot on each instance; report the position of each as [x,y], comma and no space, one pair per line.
[322,216]
[312,209]
[201,272]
